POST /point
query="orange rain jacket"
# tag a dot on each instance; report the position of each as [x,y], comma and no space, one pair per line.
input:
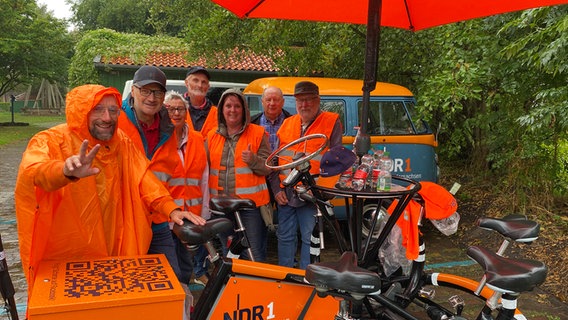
[102,215]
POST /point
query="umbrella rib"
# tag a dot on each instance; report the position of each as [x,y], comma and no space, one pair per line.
[411,26]
[254,8]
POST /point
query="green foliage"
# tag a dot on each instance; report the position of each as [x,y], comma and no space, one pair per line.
[110,44]
[496,86]
[34,45]
[128,16]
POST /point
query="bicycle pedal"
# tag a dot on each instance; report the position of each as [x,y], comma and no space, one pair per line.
[456,301]
[428,293]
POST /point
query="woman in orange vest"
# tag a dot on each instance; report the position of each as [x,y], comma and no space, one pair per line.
[237,152]
[188,182]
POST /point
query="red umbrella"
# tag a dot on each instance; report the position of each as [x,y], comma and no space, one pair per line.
[406,14]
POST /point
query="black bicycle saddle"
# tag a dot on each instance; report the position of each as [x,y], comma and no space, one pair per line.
[228,204]
[508,275]
[193,234]
[515,227]
[343,275]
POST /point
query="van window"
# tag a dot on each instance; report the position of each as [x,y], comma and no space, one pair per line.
[392,118]
[336,106]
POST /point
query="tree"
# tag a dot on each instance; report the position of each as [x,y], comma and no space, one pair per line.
[33,46]
[129,16]
[109,44]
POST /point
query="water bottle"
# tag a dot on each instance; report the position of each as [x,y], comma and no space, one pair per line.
[385,178]
[377,155]
[361,175]
[344,182]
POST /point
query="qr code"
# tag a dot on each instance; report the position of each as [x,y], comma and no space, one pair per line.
[115,276]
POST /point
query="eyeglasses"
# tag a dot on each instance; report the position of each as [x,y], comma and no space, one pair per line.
[100,110]
[306,99]
[173,110]
[146,92]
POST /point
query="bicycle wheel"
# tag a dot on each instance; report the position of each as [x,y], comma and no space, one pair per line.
[451,289]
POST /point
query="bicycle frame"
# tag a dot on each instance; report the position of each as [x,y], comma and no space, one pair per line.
[6,286]
[241,289]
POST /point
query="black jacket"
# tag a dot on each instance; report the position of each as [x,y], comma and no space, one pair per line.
[256,118]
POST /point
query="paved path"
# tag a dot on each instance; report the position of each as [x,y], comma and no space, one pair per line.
[11,156]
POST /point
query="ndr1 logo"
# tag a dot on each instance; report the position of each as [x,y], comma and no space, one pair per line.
[253,313]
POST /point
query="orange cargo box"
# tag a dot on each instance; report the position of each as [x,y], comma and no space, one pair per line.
[128,287]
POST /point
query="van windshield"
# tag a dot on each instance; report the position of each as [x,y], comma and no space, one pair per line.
[393,118]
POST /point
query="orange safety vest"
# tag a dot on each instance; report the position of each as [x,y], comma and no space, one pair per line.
[209,124]
[291,130]
[247,184]
[165,158]
[184,181]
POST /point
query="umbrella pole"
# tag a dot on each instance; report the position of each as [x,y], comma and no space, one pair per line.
[363,143]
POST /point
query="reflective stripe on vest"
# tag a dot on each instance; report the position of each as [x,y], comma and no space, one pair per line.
[247,184]
[291,129]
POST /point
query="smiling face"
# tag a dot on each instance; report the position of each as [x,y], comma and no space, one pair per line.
[233,112]
[148,101]
[307,106]
[177,111]
[103,118]
[272,102]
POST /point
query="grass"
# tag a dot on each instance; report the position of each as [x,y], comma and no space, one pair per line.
[9,134]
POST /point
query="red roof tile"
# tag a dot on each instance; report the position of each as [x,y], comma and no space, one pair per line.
[239,59]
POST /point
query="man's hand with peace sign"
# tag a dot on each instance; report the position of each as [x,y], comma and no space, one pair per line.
[79,166]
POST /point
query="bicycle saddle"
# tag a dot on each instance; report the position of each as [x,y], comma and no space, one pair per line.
[515,227]
[508,275]
[343,275]
[228,204]
[193,234]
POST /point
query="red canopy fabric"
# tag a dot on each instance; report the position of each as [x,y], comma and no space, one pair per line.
[405,14]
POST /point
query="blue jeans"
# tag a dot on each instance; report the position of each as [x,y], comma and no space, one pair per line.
[184,259]
[162,242]
[289,220]
[256,234]
[200,261]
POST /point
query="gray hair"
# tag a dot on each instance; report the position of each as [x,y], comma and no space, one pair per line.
[174,95]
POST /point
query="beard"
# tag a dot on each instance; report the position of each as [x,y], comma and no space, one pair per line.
[102,130]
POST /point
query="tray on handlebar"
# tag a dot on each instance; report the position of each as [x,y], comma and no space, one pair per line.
[401,187]
[403,190]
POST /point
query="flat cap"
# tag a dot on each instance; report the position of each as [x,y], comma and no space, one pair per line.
[304,87]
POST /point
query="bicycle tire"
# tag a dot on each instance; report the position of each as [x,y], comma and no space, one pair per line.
[464,285]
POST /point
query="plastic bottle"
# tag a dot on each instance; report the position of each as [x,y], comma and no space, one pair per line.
[362,173]
[344,182]
[377,155]
[385,178]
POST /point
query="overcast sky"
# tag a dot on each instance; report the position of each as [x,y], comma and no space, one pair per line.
[59,7]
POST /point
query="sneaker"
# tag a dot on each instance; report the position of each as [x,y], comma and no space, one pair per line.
[201,280]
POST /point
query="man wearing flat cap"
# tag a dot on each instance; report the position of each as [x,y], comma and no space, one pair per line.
[146,121]
[202,115]
[293,213]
